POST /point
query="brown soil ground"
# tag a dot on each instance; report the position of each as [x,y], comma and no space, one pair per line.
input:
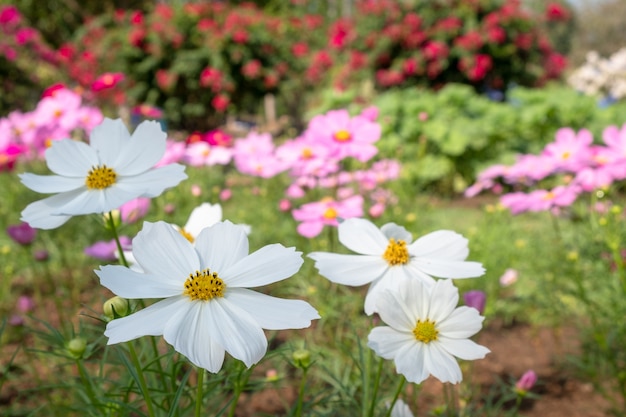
[514,350]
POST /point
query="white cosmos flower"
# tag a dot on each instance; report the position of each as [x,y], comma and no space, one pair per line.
[113,169]
[387,256]
[400,409]
[201,217]
[207,308]
[426,331]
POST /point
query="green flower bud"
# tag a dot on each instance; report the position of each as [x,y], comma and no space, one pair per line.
[301,358]
[76,347]
[115,307]
[113,214]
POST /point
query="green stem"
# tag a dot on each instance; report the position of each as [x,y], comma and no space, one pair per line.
[396,395]
[376,386]
[199,391]
[142,379]
[86,382]
[239,386]
[116,236]
[299,405]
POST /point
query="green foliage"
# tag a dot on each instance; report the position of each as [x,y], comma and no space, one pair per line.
[447,137]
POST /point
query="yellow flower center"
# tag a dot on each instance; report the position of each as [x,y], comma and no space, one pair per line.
[342,136]
[330,213]
[100,177]
[566,155]
[396,252]
[425,331]
[204,286]
[307,153]
[186,235]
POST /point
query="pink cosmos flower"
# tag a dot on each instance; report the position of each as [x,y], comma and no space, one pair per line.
[134,210]
[516,202]
[174,152]
[344,135]
[327,212]
[304,157]
[560,196]
[107,250]
[526,382]
[570,151]
[255,155]
[60,109]
[529,168]
[203,154]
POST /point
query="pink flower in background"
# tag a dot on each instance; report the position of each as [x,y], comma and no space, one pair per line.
[560,196]
[147,111]
[22,233]
[204,154]
[9,154]
[509,277]
[516,202]
[570,151]
[526,382]
[370,113]
[255,155]
[327,212]
[344,135]
[218,137]
[107,80]
[475,299]
[9,14]
[529,168]
[226,194]
[304,157]
[60,109]
[107,250]
[134,210]
[174,152]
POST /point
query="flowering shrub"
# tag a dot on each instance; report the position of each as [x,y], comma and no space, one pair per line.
[604,77]
[488,43]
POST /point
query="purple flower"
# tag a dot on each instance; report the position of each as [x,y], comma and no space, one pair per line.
[22,233]
[25,304]
[106,251]
[475,299]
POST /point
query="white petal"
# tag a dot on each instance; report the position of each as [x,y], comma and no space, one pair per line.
[87,201]
[463,348]
[233,328]
[442,244]
[109,139]
[410,362]
[147,322]
[71,158]
[444,298]
[205,215]
[448,269]
[161,250]
[401,409]
[221,246]
[267,265]
[145,148]
[127,283]
[392,230]
[362,236]
[153,182]
[40,213]
[394,303]
[387,342]
[51,183]
[352,270]
[273,313]
[189,331]
[462,323]
[441,364]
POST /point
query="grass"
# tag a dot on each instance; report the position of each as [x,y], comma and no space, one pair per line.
[41,375]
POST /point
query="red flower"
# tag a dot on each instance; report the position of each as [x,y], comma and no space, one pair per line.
[496,34]
[9,14]
[340,32]
[470,41]
[435,50]
[251,69]
[555,64]
[50,91]
[240,36]
[166,80]
[136,17]
[211,77]
[556,12]
[220,102]
[107,80]
[524,41]
[299,49]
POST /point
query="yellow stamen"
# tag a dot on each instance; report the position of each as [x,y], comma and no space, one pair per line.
[307,153]
[100,177]
[396,252]
[342,136]
[425,331]
[186,235]
[204,286]
[330,213]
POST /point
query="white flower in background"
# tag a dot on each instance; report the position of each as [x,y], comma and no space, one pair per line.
[400,409]
[426,331]
[96,178]
[207,308]
[387,256]
[203,216]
